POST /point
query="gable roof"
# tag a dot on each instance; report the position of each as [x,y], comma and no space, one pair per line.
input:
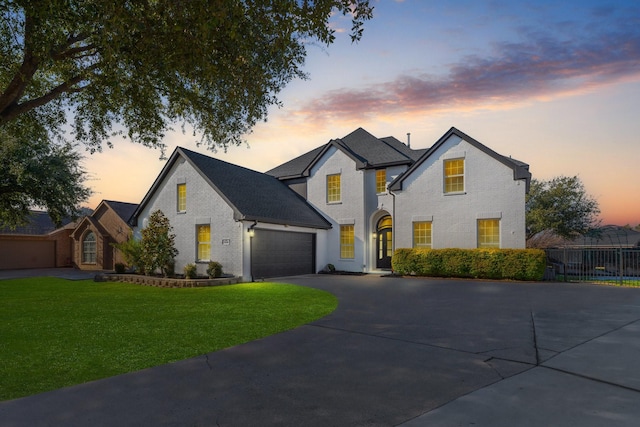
[366,150]
[84,223]
[252,195]
[520,169]
[123,209]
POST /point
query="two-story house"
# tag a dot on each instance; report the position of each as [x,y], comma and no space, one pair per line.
[349,203]
[379,194]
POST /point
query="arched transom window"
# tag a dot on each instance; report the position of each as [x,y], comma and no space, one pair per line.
[89,248]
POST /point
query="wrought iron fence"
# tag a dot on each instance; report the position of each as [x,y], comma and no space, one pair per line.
[619,266]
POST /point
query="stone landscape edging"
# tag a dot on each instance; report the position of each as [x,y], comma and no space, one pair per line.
[165,282]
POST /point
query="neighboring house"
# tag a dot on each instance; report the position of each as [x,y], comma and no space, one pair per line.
[605,237]
[94,235]
[349,203]
[37,244]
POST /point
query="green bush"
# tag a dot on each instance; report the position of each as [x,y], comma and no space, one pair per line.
[214,269]
[190,271]
[120,268]
[131,251]
[513,264]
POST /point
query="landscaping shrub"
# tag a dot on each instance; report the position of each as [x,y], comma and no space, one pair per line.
[131,250]
[214,270]
[120,268]
[190,271]
[514,264]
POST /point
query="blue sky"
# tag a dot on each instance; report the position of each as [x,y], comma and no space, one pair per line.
[553,83]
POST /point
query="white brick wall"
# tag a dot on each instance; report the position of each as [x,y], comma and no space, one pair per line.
[204,205]
[490,192]
[349,211]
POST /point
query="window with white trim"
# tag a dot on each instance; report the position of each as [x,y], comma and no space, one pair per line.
[333,188]
[489,233]
[422,234]
[182,198]
[381,181]
[347,241]
[454,176]
[89,248]
[204,242]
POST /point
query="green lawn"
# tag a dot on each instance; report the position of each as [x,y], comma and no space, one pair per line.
[56,332]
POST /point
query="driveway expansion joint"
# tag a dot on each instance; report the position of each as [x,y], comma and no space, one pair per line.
[591,378]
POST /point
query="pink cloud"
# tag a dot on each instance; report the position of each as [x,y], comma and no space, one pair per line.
[544,67]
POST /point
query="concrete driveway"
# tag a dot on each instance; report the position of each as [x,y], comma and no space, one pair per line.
[410,352]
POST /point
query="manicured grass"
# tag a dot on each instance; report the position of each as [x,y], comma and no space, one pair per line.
[55,332]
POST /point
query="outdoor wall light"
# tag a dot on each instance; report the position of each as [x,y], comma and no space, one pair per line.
[251,231]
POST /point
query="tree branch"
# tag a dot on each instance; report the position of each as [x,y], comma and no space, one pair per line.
[87,50]
[14,110]
[25,73]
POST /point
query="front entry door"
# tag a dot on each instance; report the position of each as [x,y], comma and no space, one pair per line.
[384,243]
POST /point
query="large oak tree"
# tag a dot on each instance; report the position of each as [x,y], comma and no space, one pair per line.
[135,68]
[561,206]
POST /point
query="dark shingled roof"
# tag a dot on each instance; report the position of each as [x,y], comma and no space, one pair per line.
[252,195]
[297,166]
[365,149]
[38,223]
[123,209]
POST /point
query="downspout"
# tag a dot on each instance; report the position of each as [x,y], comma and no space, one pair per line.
[251,234]
[393,234]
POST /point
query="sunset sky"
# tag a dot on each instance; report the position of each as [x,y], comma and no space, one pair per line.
[555,84]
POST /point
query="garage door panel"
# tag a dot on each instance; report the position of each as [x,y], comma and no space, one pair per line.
[282,253]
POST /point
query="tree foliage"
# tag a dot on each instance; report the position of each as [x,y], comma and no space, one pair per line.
[136,67]
[101,69]
[35,172]
[157,245]
[562,206]
[131,250]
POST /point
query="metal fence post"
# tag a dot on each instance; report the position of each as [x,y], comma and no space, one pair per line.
[621,266]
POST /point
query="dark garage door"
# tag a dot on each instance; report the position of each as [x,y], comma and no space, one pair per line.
[282,253]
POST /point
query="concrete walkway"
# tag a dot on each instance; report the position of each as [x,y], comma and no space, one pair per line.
[408,352]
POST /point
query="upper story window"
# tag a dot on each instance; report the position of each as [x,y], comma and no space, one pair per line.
[488,233]
[182,198]
[89,248]
[381,181]
[333,188]
[422,234]
[454,176]
[204,242]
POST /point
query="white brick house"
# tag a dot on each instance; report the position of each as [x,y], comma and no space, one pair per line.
[349,203]
[391,196]
[482,205]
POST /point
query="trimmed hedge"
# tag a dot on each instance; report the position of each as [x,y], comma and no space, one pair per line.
[513,264]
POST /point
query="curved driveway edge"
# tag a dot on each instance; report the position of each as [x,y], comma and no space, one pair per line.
[396,351]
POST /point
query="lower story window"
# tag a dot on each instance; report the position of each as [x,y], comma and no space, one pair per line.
[89,248]
[422,234]
[204,242]
[488,233]
[347,238]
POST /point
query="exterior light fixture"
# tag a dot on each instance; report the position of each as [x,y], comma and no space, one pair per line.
[251,231]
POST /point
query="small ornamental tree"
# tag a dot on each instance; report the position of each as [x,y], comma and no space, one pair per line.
[131,251]
[158,244]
